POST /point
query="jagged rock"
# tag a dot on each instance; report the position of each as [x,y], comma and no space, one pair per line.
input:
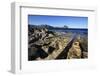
[32,53]
[51,49]
[74,51]
[39,42]
[45,49]
[50,35]
[35,52]
[85,55]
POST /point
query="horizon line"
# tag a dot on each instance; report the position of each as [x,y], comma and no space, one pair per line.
[60,27]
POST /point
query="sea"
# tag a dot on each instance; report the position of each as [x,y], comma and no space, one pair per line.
[71,30]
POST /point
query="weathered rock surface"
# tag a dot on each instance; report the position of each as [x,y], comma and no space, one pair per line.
[46,45]
[74,51]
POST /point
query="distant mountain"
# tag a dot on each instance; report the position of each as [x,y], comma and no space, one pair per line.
[47,26]
[41,26]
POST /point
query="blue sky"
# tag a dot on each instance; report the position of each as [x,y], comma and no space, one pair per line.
[59,21]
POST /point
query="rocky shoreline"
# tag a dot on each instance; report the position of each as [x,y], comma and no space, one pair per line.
[44,44]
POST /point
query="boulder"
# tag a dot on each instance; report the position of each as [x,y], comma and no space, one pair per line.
[74,51]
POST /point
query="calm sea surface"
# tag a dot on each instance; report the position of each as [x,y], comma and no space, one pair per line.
[78,31]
